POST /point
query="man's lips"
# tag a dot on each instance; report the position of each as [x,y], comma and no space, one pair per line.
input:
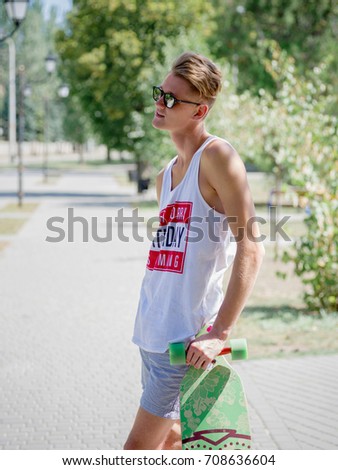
[157,114]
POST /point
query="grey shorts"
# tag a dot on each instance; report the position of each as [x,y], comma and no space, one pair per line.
[161,385]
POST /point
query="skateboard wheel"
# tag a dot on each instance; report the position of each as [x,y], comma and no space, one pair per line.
[177,354]
[239,349]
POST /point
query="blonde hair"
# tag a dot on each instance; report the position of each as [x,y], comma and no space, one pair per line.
[201,73]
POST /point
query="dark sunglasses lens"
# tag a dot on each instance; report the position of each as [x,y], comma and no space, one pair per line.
[169,100]
[157,93]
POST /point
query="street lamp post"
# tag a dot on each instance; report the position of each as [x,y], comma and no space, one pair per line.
[12,100]
[16,12]
[21,131]
[50,64]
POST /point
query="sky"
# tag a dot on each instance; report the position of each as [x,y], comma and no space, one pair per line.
[62,6]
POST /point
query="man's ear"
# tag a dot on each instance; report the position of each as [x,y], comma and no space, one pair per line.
[201,111]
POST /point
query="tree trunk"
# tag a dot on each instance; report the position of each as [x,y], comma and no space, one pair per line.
[138,173]
[81,159]
[108,154]
[278,205]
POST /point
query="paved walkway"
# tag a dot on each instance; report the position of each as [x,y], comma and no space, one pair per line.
[68,371]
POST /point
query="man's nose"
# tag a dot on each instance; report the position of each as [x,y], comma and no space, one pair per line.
[160,102]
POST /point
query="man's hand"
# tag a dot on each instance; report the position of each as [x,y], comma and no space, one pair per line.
[203,350]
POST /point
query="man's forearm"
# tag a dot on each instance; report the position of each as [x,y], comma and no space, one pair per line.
[244,273]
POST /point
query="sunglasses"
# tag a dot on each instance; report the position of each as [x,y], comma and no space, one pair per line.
[168,99]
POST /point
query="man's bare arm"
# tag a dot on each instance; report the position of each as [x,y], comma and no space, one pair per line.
[226,173]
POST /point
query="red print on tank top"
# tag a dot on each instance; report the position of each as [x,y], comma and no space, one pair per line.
[168,249]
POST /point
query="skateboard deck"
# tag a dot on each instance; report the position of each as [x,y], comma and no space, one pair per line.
[214,412]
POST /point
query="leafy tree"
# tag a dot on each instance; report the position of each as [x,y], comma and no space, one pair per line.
[110,48]
[310,151]
[34,41]
[305,30]
[76,125]
[292,134]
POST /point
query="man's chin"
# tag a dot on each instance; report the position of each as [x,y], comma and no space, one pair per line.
[158,124]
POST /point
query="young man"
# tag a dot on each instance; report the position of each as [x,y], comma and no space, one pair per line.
[204,201]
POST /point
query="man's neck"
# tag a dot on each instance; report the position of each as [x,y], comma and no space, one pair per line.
[187,143]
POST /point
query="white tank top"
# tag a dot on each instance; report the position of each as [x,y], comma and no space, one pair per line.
[182,287]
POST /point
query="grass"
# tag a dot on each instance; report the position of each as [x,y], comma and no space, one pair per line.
[76,165]
[11,226]
[289,230]
[283,331]
[275,320]
[15,208]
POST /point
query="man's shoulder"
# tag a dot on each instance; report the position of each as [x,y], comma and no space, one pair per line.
[159,176]
[221,156]
[160,173]
[220,149]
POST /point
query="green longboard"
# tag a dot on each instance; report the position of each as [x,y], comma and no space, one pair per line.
[213,406]
[214,411]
